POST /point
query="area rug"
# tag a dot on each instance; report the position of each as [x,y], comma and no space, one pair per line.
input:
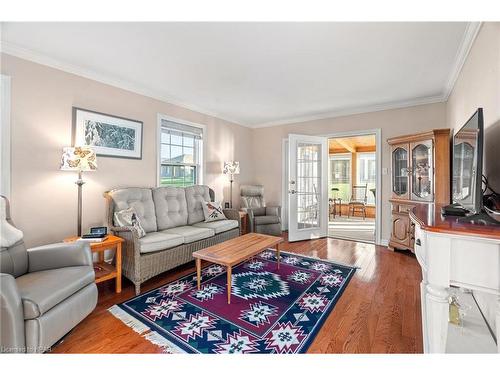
[272,310]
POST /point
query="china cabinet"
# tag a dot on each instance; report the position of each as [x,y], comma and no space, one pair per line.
[420,174]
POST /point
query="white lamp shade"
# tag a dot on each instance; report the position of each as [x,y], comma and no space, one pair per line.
[231,167]
[78,159]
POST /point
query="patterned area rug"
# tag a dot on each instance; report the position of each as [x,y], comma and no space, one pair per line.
[271,310]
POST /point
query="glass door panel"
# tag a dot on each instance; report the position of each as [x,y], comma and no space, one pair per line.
[308,190]
[421,171]
[400,172]
[308,179]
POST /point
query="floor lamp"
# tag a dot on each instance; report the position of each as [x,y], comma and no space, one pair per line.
[79,159]
[231,168]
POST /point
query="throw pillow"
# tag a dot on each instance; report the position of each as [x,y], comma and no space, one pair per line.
[128,218]
[213,211]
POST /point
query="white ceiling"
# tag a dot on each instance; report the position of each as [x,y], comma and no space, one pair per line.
[258,74]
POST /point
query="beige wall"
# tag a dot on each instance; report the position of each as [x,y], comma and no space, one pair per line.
[478,85]
[43,198]
[267,143]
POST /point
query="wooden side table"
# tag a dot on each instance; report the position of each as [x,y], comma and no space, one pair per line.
[244,222]
[105,271]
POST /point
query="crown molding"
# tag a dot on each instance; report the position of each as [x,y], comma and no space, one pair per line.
[36,57]
[466,44]
[463,51]
[356,111]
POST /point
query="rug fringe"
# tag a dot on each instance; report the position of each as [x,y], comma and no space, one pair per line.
[152,336]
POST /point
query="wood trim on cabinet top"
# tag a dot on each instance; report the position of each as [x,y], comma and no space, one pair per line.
[418,137]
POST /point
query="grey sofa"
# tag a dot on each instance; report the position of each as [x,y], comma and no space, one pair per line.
[44,293]
[173,220]
[261,218]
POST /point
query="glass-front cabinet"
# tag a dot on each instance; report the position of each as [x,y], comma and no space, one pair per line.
[400,172]
[420,174]
[421,171]
[412,171]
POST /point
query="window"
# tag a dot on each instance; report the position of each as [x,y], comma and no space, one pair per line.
[366,173]
[340,176]
[180,154]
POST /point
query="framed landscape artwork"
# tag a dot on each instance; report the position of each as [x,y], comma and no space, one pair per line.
[108,135]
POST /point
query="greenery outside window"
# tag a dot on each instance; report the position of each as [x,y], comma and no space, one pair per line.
[180,154]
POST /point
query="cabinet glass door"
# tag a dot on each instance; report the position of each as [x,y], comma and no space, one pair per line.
[421,171]
[400,172]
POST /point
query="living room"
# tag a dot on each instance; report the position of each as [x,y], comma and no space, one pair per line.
[214,184]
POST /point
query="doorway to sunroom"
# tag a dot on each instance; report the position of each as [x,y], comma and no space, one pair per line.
[352,181]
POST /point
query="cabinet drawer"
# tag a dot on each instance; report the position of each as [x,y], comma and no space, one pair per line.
[405,208]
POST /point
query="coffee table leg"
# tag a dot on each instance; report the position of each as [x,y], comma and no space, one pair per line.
[198,272]
[278,254]
[229,284]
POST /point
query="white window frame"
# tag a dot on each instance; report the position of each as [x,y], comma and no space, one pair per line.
[200,175]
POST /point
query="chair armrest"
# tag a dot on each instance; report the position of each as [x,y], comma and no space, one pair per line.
[232,214]
[59,255]
[252,213]
[273,211]
[12,322]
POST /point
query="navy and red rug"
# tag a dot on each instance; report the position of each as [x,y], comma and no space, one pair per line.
[271,310]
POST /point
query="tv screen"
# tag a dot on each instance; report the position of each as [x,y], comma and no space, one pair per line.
[468,164]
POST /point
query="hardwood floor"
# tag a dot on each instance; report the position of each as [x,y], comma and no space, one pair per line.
[379,311]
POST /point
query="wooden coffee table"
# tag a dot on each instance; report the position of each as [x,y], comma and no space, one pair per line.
[235,251]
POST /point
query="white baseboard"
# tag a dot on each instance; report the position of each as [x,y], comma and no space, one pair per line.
[384,242]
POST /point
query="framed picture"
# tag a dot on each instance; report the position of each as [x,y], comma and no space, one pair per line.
[109,135]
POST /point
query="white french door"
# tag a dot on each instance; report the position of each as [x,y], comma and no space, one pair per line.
[307,187]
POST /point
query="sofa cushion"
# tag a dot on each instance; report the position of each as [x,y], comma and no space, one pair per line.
[218,226]
[141,200]
[156,241]
[195,196]
[191,233]
[40,291]
[171,207]
[264,220]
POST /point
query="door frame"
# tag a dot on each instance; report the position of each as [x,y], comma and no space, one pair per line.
[377,132]
[5,135]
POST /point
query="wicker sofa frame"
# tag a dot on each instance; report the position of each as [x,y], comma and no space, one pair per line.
[139,267]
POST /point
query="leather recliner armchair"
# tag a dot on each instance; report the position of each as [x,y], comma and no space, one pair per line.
[261,219]
[44,291]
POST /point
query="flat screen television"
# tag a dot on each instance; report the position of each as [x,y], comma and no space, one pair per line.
[467,164]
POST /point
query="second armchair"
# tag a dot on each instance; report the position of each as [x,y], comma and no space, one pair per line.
[261,219]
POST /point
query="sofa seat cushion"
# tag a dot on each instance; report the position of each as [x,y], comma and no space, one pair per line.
[191,233]
[219,226]
[40,291]
[156,241]
[264,220]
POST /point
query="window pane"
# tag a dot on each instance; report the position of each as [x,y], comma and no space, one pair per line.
[188,140]
[165,137]
[340,177]
[176,154]
[165,153]
[366,173]
[176,139]
[188,154]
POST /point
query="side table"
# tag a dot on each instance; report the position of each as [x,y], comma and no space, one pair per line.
[244,222]
[105,271]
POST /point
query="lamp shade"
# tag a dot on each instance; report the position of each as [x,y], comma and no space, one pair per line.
[81,159]
[231,167]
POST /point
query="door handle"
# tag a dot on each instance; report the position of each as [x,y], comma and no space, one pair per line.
[292,191]
[417,242]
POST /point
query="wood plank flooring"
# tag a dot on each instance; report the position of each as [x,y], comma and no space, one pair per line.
[379,311]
